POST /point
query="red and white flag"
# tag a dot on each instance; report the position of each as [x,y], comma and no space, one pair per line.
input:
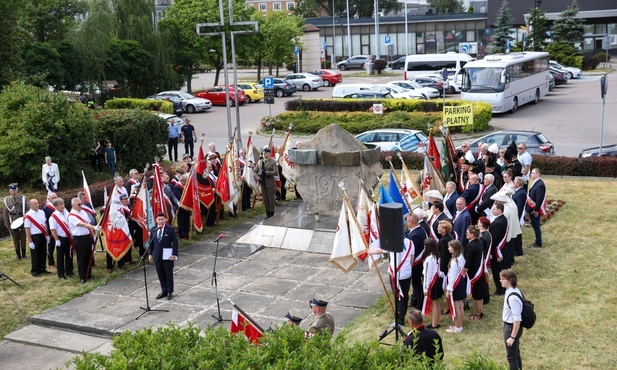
[409,189]
[288,167]
[242,323]
[158,201]
[115,228]
[248,174]
[223,184]
[190,201]
[367,218]
[349,242]
[140,212]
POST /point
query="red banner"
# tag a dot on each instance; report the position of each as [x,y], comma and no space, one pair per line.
[190,201]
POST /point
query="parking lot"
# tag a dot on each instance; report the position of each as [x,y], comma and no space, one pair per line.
[570,116]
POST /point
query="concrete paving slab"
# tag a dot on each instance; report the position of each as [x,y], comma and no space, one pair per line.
[270,286]
[294,272]
[304,292]
[355,298]
[298,239]
[251,268]
[312,259]
[273,255]
[20,356]
[56,338]
[338,278]
[189,276]
[121,286]
[251,303]
[228,281]
[207,263]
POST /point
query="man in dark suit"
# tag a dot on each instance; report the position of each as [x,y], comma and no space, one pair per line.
[417,235]
[438,215]
[519,197]
[422,340]
[499,234]
[536,205]
[486,203]
[163,251]
[461,221]
[449,199]
[267,169]
[472,196]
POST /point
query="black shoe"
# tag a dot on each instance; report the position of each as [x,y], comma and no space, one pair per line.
[82,281]
[432,327]
[62,277]
[170,296]
[45,272]
[534,245]
[70,274]
[161,295]
[36,274]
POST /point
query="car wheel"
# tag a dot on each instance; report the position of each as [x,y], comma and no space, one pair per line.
[279,93]
[570,75]
[326,83]
[306,87]
[342,67]
[248,99]
[537,97]
[190,109]
[451,90]
[514,105]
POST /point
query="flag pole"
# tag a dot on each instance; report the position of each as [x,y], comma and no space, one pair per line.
[366,247]
[398,184]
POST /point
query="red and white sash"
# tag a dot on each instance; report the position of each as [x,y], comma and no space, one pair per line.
[451,300]
[37,224]
[82,220]
[478,274]
[475,201]
[428,298]
[65,227]
[532,205]
[393,274]
[502,243]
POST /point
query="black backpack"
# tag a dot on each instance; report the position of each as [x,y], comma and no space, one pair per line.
[528,315]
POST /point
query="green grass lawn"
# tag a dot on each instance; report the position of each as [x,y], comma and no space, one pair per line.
[569,281]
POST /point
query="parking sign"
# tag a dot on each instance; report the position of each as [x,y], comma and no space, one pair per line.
[387,39]
[325,45]
[268,83]
[296,50]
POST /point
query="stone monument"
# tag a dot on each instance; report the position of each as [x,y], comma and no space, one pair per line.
[333,156]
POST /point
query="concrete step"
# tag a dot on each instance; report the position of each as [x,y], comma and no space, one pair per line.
[60,339]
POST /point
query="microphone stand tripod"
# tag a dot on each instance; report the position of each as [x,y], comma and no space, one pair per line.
[147,308]
[219,319]
[396,327]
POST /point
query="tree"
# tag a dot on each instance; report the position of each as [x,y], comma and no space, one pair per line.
[34,123]
[503,24]
[185,57]
[568,28]
[447,6]
[12,41]
[357,8]
[128,64]
[42,65]
[536,36]
[48,20]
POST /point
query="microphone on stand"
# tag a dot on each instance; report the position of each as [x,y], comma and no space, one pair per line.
[221,236]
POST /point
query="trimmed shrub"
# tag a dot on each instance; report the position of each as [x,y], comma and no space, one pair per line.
[590,62]
[287,348]
[138,136]
[380,65]
[601,57]
[143,104]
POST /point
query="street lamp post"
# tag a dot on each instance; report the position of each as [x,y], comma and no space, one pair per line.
[377,56]
[333,33]
[348,32]
[406,30]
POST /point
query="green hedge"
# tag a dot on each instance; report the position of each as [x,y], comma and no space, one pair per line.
[142,104]
[556,166]
[287,348]
[429,110]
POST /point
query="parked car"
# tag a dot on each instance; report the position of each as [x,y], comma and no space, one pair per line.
[551,83]
[559,76]
[330,78]
[607,151]
[572,72]
[253,92]
[536,142]
[305,81]
[356,61]
[428,92]
[398,92]
[178,108]
[398,64]
[217,95]
[190,103]
[283,87]
[388,138]
[434,82]
[171,118]
[369,95]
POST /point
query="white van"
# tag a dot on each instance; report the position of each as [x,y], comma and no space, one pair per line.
[341,90]
[422,64]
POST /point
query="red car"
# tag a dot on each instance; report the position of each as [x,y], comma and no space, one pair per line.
[330,78]
[216,95]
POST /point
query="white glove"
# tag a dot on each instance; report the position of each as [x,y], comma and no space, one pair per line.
[47,239]
[58,243]
[31,245]
[97,228]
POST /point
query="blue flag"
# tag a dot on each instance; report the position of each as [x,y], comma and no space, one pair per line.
[384,197]
[395,194]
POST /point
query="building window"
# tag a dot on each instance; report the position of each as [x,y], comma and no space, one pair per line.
[291,6]
[276,6]
[263,7]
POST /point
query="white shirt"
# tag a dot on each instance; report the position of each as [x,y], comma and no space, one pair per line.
[525,159]
[54,225]
[431,265]
[454,268]
[51,170]
[38,216]
[512,312]
[73,221]
[404,260]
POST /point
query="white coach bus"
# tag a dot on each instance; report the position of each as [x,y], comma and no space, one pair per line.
[425,64]
[506,81]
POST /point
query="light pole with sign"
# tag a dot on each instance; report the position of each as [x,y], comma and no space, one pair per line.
[603,91]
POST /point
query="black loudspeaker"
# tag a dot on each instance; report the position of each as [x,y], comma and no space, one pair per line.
[391,227]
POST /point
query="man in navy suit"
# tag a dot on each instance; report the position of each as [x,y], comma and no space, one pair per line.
[486,203]
[449,200]
[163,241]
[472,196]
[461,221]
[536,205]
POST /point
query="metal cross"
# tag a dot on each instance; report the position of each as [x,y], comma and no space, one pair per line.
[217,26]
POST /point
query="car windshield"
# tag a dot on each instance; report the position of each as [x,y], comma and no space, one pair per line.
[414,84]
[484,79]
[396,89]
[186,95]
[541,138]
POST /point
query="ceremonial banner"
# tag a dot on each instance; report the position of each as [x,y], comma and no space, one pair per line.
[204,189]
[433,152]
[157,200]
[190,201]
[222,183]
[460,115]
[409,189]
[115,228]
[248,174]
[342,255]
[395,193]
[367,218]
[287,166]
[241,322]
[432,179]
[140,211]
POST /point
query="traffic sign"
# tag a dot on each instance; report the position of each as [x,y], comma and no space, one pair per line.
[325,45]
[387,39]
[296,50]
[268,82]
